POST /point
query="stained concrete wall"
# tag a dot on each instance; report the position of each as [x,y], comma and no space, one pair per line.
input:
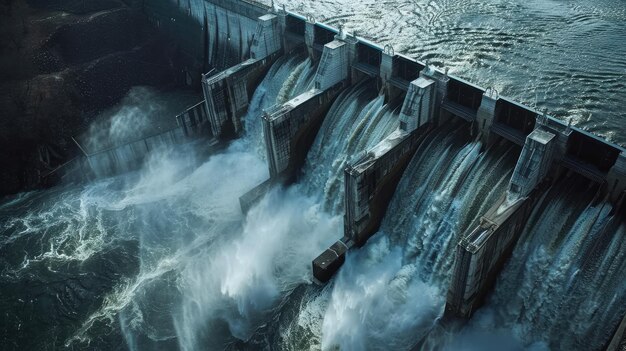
[371,181]
[227,94]
[483,251]
[195,121]
[192,125]
[211,33]
[130,156]
[290,129]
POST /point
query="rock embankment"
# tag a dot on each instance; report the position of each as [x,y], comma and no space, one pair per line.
[60,65]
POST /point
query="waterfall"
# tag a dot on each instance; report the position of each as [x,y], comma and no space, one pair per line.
[390,292]
[553,293]
[288,77]
[358,120]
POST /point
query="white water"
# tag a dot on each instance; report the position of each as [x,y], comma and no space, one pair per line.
[186,220]
[245,278]
[390,292]
[207,273]
[563,288]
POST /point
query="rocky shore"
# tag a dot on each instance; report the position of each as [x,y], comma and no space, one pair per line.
[61,63]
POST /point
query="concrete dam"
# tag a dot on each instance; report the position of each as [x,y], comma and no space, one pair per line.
[447,206]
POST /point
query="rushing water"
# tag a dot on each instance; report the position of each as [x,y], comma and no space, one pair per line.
[120,253]
[563,288]
[566,56]
[389,293]
[163,258]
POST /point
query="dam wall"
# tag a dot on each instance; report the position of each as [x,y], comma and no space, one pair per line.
[227,93]
[499,117]
[550,146]
[191,125]
[371,180]
[290,129]
[482,252]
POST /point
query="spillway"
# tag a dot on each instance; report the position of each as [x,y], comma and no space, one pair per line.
[553,292]
[401,273]
[451,217]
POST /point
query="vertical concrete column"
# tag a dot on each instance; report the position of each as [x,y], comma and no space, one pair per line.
[486,113]
[334,65]
[386,67]
[309,35]
[288,44]
[268,38]
[419,104]
[441,80]
[533,164]
[215,90]
[352,41]
[616,178]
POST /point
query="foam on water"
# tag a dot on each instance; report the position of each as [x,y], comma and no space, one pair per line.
[563,287]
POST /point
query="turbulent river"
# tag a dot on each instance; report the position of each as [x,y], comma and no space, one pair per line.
[163,259]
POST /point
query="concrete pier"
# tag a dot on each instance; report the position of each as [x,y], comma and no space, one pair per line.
[289,129]
[227,93]
[550,146]
[371,180]
[482,252]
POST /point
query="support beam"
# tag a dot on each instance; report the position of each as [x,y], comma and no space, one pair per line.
[616,179]
[533,164]
[419,104]
[309,37]
[268,37]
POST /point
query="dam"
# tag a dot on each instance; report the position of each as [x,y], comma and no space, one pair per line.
[467,202]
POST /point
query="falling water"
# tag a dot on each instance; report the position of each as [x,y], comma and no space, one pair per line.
[390,292]
[118,252]
[358,120]
[563,288]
